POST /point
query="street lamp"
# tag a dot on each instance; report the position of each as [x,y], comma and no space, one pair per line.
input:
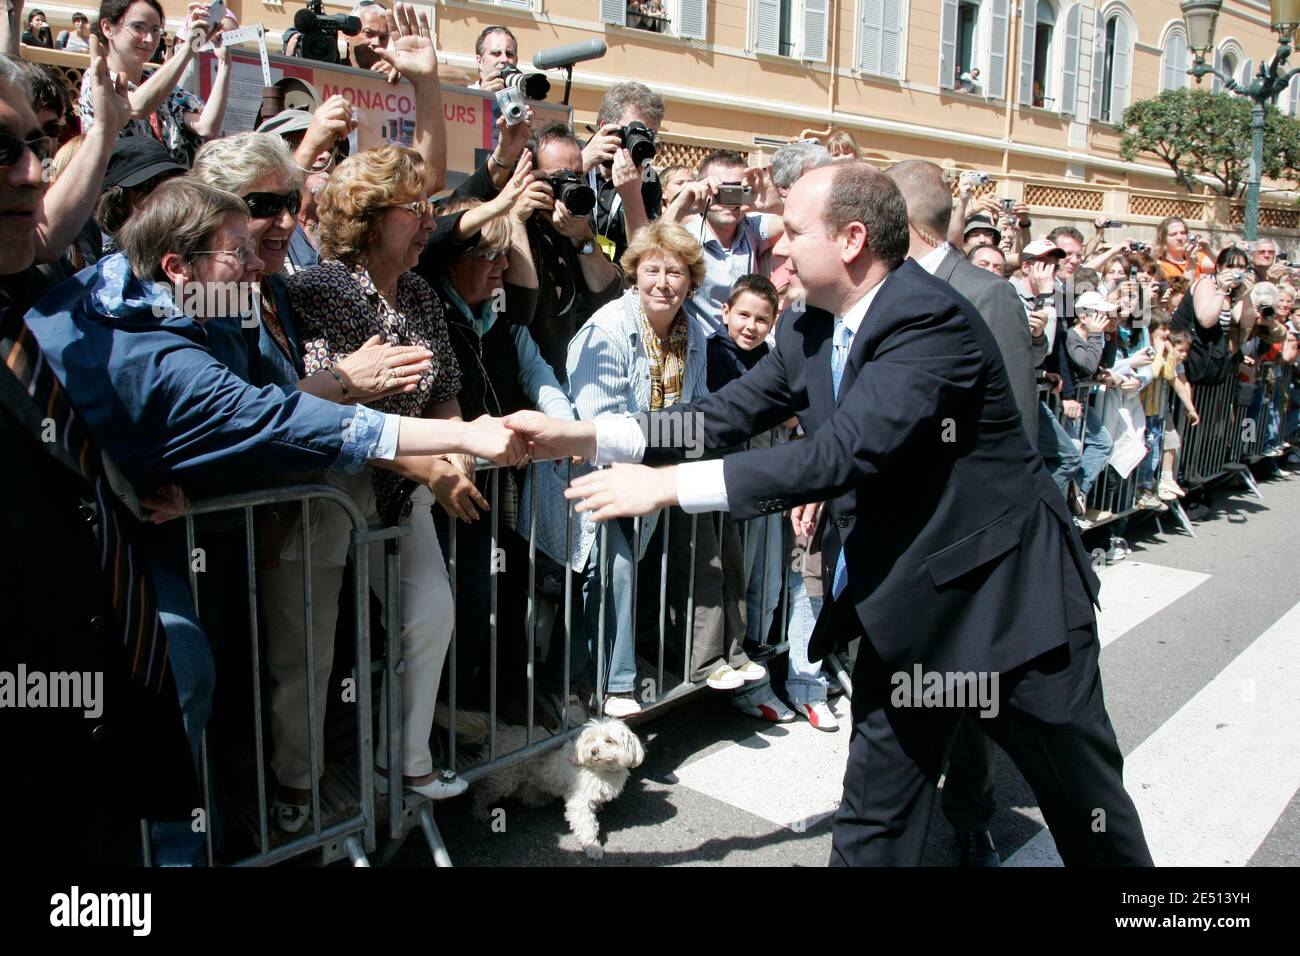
[1200,17]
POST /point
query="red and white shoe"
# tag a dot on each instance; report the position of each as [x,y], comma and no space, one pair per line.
[819,715]
[769,708]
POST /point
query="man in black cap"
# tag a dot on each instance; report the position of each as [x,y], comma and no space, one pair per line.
[981,231]
[135,168]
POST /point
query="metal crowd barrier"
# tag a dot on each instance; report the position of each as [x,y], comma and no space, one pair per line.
[351,834]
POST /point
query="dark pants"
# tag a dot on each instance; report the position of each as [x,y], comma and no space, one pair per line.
[1073,763]
[968,800]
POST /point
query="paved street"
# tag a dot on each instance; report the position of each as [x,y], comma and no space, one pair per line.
[1201,662]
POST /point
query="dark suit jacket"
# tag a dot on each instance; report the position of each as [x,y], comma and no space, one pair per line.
[75,787]
[961,554]
[1000,308]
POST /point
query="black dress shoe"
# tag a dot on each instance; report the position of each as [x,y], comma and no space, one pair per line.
[976,848]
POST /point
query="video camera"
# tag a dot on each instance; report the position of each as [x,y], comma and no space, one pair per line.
[320,32]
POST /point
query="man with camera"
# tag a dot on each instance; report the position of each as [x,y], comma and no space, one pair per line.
[574,276]
[734,212]
[495,52]
[616,162]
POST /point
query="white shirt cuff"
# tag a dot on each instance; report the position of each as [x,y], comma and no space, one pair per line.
[386,450]
[702,487]
[618,439]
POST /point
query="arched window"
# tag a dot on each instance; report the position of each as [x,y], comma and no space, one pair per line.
[1112,65]
[1228,61]
[1038,84]
[1175,63]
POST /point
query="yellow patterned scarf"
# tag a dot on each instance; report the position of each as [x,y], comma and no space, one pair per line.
[667,358]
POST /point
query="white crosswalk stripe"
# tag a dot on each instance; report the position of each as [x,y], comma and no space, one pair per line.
[1212,780]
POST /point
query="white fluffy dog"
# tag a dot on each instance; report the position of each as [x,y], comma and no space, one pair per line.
[586,772]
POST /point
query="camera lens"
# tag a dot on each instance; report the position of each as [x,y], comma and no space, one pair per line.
[639,142]
[577,196]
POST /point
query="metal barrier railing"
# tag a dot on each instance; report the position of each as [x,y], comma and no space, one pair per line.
[352,834]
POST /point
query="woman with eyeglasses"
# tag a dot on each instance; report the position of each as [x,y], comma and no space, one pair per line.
[375,221]
[181,121]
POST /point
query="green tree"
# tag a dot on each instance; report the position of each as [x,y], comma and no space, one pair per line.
[1200,133]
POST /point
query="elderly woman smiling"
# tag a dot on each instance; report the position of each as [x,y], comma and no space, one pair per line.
[638,353]
[374,222]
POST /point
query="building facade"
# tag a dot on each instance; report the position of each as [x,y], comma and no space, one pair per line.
[1028,90]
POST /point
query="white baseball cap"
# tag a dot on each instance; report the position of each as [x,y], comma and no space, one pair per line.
[1094,302]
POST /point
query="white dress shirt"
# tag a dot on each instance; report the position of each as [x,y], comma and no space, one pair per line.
[701,485]
[930,261]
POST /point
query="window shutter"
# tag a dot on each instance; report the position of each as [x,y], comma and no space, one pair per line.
[1217,84]
[997,85]
[1070,70]
[528,5]
[948,45]
[880,26]
[1293,96]
[1122,71]
[613,11]
[1098,67]
[1174,76]
[816,16]
[1028,38]
[767,26]
[693,19]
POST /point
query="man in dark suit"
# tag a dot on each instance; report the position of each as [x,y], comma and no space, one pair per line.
[952,551]
[968,798]
[78,779]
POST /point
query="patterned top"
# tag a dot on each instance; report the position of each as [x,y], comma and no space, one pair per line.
[667,359]
[167,125]
[339,308]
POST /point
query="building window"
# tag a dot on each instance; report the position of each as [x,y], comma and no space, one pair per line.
[880,37]
[1044,28]
[1112,68]
[793,28]
[1175,63]
[649,15]
[968,72]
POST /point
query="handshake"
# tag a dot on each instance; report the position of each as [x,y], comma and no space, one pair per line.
[525,436]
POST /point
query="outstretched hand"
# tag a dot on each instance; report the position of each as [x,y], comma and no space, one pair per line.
[412,54]
[623,491]
[553,437]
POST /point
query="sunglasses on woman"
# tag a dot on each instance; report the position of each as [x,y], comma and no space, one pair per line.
[11,148]
[421,207]
[268,205]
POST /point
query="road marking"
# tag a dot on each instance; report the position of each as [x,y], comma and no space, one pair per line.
[788,774]
[1212,780]
[1132,591]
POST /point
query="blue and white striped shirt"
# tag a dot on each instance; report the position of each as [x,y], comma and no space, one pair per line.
[722,266]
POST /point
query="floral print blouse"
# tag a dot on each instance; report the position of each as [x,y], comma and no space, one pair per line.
[338,308]
[167,125]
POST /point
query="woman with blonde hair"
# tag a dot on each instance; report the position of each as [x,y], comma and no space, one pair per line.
[375,219]
[842,145]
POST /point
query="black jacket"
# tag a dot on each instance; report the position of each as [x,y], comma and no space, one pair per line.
[961,555]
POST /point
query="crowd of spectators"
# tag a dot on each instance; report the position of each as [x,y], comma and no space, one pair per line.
[262,308]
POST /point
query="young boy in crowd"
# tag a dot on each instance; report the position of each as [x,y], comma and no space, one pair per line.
[1171,347]
[749,315]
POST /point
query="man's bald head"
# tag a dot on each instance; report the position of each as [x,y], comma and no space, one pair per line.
[929,200]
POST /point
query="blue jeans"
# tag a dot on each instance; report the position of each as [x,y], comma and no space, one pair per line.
[804,682]
[761,563]
[620,644]
[1097,446]
[1150,465]
[1059,452]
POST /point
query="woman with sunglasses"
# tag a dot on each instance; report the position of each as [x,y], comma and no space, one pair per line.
[375,220]
[130,30]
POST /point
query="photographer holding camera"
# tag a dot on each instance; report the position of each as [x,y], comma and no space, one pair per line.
[495,51]
[574,276]
[734,212]
[616,162]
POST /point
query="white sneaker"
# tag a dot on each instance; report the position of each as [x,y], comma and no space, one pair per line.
[819,715]
[620,705]
[752,672]
[769,708]
[289,817]
[724,678]
[442,787]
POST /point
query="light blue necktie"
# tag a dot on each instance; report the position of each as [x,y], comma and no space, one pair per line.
[840,357]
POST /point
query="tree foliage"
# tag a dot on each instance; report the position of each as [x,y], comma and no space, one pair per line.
[1201,133]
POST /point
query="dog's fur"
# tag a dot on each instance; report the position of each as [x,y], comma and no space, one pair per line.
[586,772]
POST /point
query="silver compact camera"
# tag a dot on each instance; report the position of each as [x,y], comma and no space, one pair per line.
[734,194]
[511,103]
[975,177]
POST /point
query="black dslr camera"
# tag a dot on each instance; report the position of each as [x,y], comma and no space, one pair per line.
[534,86]
[320,32]
[570,189]
[639,140]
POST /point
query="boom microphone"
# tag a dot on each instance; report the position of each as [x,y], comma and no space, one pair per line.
[558,57]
